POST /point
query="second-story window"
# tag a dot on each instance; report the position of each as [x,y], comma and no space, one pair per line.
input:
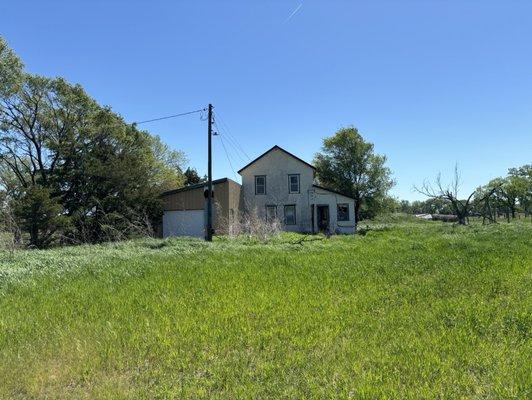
[260,184]
[293,183]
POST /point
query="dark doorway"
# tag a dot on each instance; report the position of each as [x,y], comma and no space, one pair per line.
[323,218]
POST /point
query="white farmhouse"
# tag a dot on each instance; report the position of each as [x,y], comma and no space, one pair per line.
[280,185]
[276,185]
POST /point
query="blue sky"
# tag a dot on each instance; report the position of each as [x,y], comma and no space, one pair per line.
[430,83]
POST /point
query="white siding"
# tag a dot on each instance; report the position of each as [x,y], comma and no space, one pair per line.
[325,197]
[183,223]
[277,165]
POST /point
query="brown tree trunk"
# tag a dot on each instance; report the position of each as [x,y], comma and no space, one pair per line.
[461,214]
[34,236]
[357,212]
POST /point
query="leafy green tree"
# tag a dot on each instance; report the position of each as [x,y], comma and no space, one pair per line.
[167,165]
[9,184]
[34,121]
[58,146]
[505,195]
[429,206]
[485,202]
[405,207]
[347,163]
[40,215]
[521,183]
[192,177]
[513,192]
[417,207]
[114,173]
[10,70]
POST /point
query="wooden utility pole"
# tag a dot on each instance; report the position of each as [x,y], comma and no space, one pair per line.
[208,233]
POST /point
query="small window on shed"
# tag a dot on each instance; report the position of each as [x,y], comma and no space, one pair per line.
[342,212]
[260,184]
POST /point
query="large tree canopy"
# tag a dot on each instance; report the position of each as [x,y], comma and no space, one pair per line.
[521,184]
[10,69]
[348,164]
[512,193]
[64,155]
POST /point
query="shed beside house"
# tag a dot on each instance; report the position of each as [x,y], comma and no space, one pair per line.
[339,210]
[276,186]
[184,208]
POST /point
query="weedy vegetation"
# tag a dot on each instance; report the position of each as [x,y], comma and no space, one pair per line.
[407,310]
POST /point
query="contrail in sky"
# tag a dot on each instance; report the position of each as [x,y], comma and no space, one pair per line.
[294,13]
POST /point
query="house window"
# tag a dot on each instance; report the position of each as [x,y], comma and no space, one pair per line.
[342,212]
[271,212]
[293,183]
[290,215]
[260,184]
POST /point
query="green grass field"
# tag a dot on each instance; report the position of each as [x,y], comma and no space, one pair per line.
[406,311]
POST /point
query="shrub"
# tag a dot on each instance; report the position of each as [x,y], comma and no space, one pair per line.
[253,225]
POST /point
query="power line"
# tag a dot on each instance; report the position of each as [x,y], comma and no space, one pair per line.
[228,158]
[124,123]
[233,139]
[231,136]
[230,143]
[223,131]
[227,153]
[170,116]
[235,148]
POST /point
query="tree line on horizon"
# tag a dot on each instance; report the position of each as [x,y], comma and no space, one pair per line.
[503,197]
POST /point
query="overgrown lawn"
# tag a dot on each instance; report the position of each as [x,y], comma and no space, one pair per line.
[409,310]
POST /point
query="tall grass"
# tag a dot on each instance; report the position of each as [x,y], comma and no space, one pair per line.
[408,310]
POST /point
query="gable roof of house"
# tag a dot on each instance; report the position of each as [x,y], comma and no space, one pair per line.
[272,149]
[196,186]
[333,191]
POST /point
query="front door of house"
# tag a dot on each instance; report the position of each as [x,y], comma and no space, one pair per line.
[323,218]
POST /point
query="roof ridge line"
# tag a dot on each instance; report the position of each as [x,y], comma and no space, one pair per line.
[273,148]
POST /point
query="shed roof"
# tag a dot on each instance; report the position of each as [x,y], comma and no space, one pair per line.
[333,191]
[196,186]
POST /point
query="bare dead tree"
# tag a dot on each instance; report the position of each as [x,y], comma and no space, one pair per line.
[450,193]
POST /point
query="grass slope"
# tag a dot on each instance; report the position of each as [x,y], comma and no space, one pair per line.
[414,310]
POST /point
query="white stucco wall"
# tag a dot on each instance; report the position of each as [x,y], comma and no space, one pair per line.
[183,223]
[277,165]
[325,197]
